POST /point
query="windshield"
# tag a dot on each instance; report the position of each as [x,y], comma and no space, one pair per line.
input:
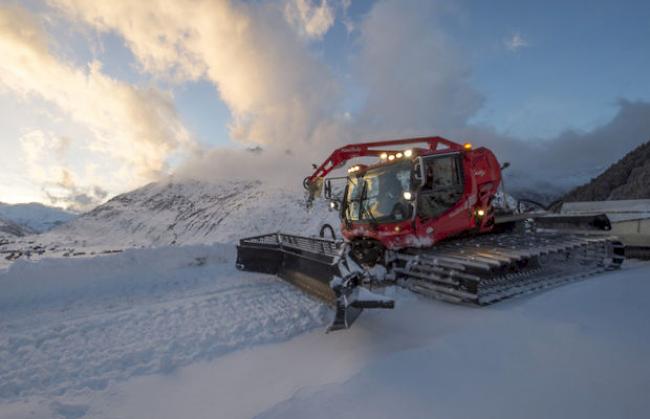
[377,196]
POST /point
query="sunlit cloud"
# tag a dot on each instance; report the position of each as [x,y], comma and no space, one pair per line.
[47,162]
[287,103]
[277,92]
[136,127]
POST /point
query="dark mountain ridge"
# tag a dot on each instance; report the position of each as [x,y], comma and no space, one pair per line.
[628,178]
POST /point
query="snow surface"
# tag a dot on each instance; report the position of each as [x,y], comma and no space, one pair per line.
[73,324]
[166,327]
[178,332]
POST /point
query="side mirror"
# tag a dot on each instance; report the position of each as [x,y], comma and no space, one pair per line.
[505,165]
[418,172]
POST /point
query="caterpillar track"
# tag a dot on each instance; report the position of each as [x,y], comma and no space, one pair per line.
[479,270]
[490,268]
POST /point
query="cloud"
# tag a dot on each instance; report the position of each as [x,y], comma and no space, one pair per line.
[555,165]
[310,19]
[347,21]
[280,95]
[46,160]
[137,128]
[417,82]
[286,104]
[276,90]
[515,42]
[415,78]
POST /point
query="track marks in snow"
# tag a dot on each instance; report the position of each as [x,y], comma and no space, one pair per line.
[73,348]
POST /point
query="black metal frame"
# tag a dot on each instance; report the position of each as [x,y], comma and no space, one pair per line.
[309,263]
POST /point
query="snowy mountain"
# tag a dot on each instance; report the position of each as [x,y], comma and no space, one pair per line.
[37,218]
[521,186]
[192,212]
[11,229]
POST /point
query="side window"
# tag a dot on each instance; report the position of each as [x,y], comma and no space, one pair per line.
[443,185]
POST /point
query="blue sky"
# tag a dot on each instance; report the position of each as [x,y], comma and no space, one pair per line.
[581,57]
[299,73]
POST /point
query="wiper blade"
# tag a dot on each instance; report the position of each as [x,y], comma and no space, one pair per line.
[364,198]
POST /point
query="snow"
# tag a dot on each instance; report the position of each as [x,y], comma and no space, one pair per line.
[36,217]
[178,332]
[166,327]
[192,212]
[72,325]
[178,213]
[614,207]
[9,229]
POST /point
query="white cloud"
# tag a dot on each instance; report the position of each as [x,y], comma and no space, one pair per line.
[277,92]
[312,20]
[136,128]
[347,21]
[417,81]
[515,42]
[46,159]
[281,95]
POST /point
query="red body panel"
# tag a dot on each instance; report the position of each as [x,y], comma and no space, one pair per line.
[471,213]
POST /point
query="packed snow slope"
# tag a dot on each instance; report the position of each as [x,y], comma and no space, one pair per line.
[177,332]
[191,212]
[174,330]
[579,351]
[70,325]
[34,217]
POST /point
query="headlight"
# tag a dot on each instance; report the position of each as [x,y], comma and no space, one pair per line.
[407,195]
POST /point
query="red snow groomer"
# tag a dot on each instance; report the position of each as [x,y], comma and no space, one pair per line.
[424,216]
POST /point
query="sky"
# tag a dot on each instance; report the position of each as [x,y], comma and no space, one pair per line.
[100,97]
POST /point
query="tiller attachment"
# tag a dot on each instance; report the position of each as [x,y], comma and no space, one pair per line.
[352,294]
[320,267]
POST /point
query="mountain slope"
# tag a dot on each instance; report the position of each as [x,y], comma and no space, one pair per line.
[9,228]
[36,217]
[191,212]
[629,178]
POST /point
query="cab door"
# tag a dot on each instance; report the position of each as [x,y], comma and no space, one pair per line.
[441,209]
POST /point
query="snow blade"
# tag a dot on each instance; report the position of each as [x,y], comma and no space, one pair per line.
[309,263]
